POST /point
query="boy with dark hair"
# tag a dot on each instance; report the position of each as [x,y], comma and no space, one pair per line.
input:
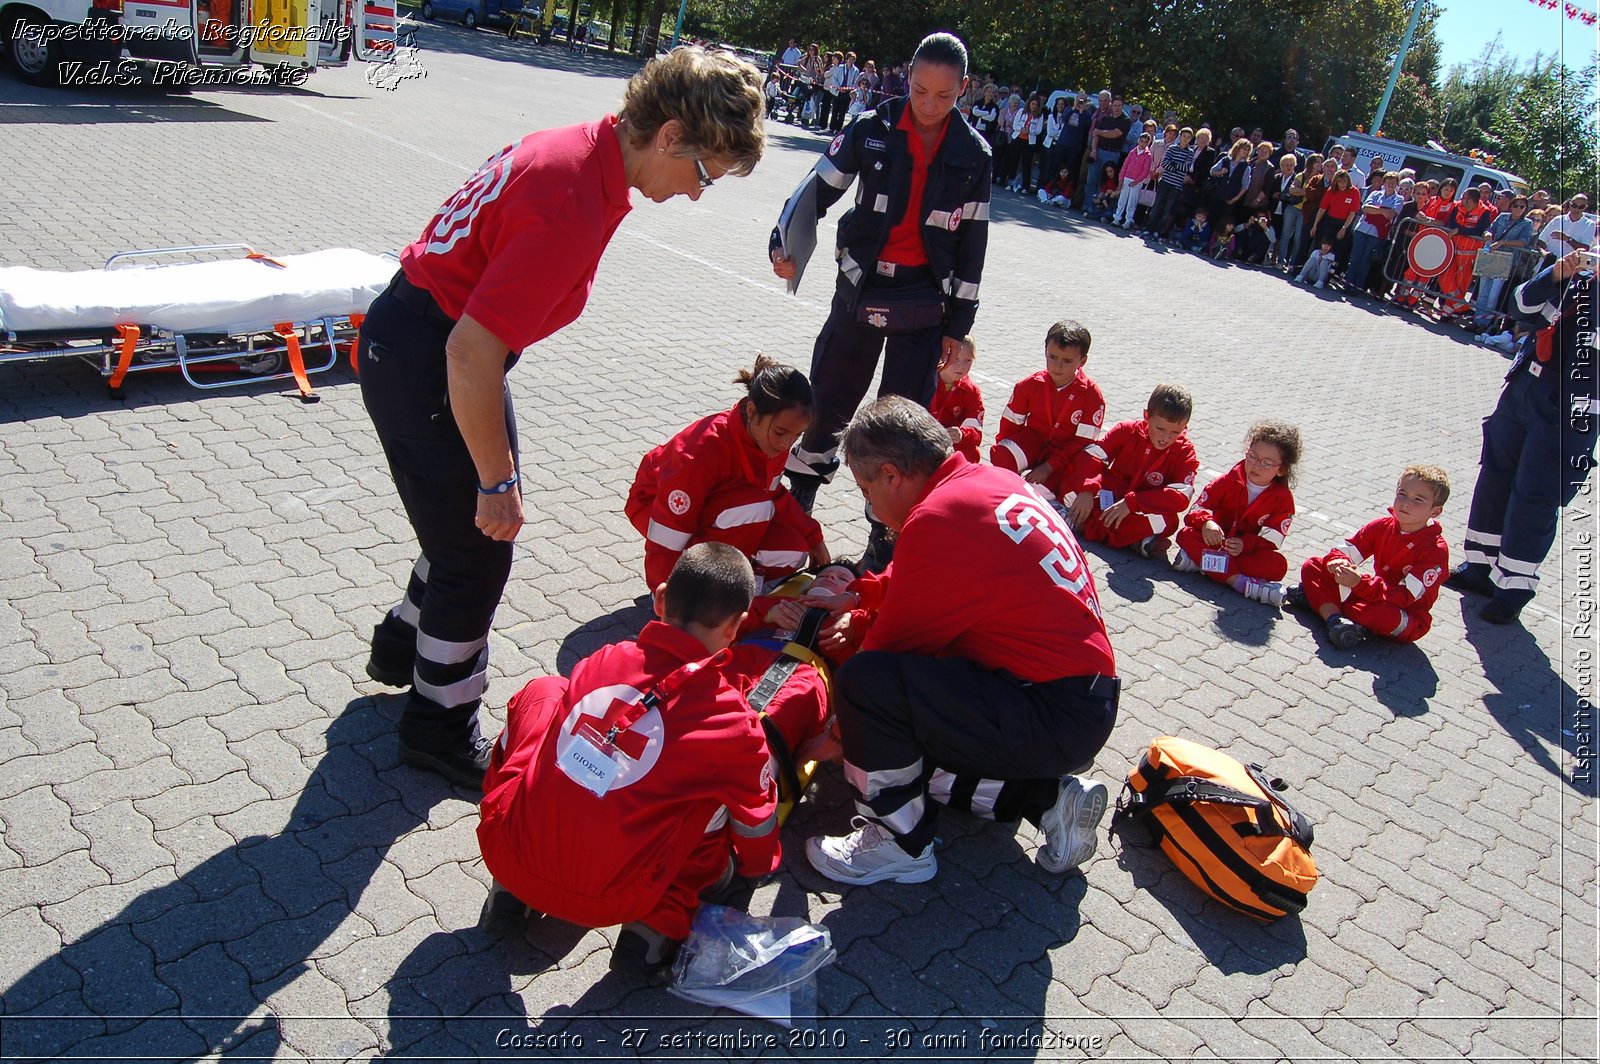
[1145,480]
[1409,560]
[1196,235]
[619,796]
[1053,416]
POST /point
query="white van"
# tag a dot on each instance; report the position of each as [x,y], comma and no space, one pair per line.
[188,43]
[1430,163]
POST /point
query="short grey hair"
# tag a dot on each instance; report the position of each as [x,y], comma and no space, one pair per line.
[894,431]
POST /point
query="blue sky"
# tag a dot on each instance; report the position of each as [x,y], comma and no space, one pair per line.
[1524,28]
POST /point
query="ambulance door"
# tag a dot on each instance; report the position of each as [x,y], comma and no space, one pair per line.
[334,39]
[374,30]
[283,31]
[160,29]
[220,28]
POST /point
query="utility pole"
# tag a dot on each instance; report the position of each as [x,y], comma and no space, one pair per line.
[1399,60]
[678,26]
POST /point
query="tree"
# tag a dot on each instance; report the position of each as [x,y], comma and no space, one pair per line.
[1547,129]
[1413,114]
[1318,65]
[1473,93]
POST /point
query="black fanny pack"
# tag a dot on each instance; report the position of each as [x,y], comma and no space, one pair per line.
[910,308]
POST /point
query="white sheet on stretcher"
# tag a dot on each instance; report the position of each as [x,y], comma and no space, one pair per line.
[233,295]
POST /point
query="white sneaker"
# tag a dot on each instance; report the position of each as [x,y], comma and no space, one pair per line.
[869,854]
[1182,563]
[1266,592]
[1069,825]
[1320,284]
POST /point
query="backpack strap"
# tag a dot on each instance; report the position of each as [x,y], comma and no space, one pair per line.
[1300,826]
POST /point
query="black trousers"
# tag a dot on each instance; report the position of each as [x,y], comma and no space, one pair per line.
[461,574]
[917,728]
[846,357]
[1532,465]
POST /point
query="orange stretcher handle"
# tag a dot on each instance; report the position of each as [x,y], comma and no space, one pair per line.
[129,335]
[297,364]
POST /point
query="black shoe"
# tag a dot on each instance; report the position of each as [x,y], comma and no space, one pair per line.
[644,952]
[464,764]
[1345,633]
[880,549]
[803,486]
[392,659]
[503,913]
[1500,611]
[1294,597]
[719,892]
[1471,577]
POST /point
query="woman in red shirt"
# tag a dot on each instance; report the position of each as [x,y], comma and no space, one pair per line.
[509,259]
[1337,212]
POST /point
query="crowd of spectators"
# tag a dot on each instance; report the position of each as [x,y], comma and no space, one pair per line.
[1324,221]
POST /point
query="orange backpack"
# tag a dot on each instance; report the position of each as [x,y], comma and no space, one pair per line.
[1225,825]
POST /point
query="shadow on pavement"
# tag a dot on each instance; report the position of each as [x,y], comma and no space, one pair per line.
[1232,942]
[1403,677]
[456,992]
[182,971]
[1531,701]
[613,627]
[66,388]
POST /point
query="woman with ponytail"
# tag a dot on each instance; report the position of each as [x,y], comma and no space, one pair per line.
[718,481]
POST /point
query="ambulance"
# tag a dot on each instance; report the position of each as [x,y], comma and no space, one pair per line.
[1432,162]
[190,43]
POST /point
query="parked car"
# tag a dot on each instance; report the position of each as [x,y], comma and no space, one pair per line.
[471,13]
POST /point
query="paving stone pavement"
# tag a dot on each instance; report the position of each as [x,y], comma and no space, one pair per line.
[210,849]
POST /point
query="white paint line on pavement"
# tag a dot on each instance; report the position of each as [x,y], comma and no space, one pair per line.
[369,131]
[764,286]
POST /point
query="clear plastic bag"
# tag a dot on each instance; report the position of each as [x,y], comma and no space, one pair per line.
[763,966]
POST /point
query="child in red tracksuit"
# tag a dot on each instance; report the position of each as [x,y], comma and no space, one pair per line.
[1145,480]
[718,481]
[618,797]
[1053,416]
[1409,561]
[957,404]
[1236,530]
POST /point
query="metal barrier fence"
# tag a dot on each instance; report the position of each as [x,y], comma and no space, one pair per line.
[1431,268]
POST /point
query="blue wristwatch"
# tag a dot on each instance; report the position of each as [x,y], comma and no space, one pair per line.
[502,487]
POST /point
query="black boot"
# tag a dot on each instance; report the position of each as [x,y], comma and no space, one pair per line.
[1471,577]
[503,913]
[803,486]
[880,549]
[644,952]
[394,653]
[1504,607]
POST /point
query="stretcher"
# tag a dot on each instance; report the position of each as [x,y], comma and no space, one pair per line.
[793,776]
[244,319]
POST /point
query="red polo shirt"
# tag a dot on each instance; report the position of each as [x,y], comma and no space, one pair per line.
[517,246]
[904,246]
